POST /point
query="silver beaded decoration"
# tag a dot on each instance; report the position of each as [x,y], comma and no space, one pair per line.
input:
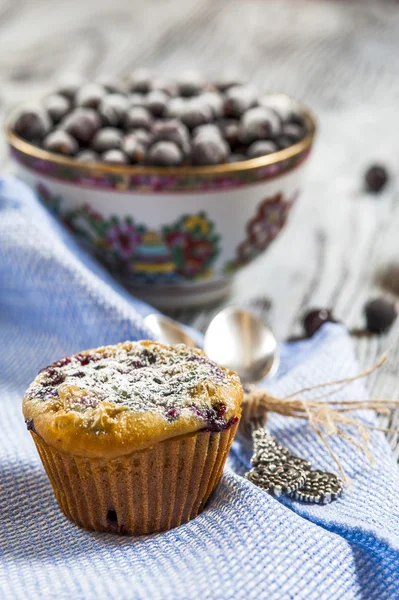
[277,480]
[320,487]
[278,472]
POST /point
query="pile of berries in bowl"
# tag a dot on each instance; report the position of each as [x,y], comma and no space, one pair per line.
[143,121]
[190,179]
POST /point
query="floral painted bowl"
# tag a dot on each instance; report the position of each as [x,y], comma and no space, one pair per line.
[174,236]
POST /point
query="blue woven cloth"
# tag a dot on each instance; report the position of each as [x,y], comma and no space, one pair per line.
[54,300]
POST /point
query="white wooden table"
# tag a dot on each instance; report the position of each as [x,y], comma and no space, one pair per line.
[341,57]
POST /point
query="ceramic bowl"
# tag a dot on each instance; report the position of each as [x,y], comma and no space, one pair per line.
[174,236]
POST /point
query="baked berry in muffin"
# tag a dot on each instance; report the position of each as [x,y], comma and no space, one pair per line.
[133,436]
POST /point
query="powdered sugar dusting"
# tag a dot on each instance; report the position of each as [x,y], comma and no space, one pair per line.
[142,377]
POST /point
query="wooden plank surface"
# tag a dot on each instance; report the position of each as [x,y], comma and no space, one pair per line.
[341,245]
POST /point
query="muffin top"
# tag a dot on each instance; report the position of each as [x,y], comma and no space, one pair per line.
[116,399]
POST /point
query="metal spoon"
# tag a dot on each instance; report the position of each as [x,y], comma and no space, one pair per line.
[239,340]
[235,338]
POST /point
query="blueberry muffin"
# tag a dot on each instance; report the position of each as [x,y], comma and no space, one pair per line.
[133,437]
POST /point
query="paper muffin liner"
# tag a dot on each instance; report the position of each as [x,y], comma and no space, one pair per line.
[142,492]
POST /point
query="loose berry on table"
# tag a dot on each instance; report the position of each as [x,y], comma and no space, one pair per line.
[380,315]
[376,178]
[315,318]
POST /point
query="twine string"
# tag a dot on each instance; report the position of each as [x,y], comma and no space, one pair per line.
[327,419]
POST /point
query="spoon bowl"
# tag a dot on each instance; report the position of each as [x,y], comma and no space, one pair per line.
[237,339]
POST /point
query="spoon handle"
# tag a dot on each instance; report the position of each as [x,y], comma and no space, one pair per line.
[278,472]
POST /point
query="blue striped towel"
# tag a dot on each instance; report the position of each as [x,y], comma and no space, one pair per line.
[55,300]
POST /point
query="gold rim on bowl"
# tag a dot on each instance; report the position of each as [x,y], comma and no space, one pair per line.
[29,149]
